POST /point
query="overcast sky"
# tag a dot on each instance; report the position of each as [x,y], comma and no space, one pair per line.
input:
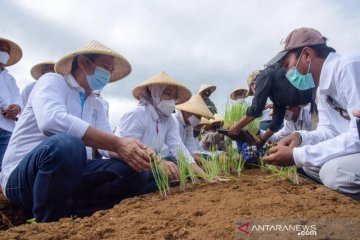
[195,41]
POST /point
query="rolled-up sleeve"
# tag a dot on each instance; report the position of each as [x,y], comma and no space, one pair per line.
[263,87]
[277,117]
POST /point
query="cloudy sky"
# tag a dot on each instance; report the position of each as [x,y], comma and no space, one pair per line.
[203,41]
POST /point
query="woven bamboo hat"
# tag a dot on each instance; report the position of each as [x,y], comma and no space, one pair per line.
[205,87]
[204,121]
[122,67]
[217,119]
[36,71]
[196,105]
[15,52]
[240,89]
[163,78]
[250,79]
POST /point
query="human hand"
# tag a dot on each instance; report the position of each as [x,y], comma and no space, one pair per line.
[280,156]
[356,113]
[198,159]
[290,141]
[133,153]
[233,130]
[12,111]
[172,170]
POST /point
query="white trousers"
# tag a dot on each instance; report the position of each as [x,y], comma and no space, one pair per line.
[341,174]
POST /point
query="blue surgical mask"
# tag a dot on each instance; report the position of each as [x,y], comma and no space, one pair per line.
[301,82]
[98,79]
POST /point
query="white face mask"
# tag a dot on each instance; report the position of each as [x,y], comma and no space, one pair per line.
[288,115]
[167,107]
[240,100]
[194,121]
[4,57]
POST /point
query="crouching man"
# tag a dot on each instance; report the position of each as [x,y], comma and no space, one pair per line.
[45,167]
[330,153]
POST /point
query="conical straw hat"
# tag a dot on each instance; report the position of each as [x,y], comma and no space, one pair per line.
[196,105]
[36,71]
[250,79]
[204,121]
[163,78]
[122,67]
[232,94]
[15,52]
[204,87]
[217,119]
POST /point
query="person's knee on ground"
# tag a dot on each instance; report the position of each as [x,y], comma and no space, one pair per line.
[335,177]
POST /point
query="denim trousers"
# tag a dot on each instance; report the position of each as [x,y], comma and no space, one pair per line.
[56,180]
[151,186]
[4,141]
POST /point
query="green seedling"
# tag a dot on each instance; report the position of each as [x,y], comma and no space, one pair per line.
[185,171]
[31,221]
[159,170]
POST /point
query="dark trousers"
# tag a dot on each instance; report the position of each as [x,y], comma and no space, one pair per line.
[4,141]
[56,180]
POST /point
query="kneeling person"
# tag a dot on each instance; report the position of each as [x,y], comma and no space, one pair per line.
[45,168]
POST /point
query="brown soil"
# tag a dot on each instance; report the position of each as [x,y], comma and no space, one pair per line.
[210,211]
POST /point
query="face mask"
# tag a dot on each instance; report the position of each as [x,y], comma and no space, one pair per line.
[98,79]
[194,121]
[301,82]
[4,57]
[167,107]
[288,115]
[240,101]
[207,93]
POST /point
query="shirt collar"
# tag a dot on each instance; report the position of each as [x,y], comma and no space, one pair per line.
[327,71]
[74,84]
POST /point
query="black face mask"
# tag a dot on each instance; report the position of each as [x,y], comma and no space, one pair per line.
[196,133]
[207,93]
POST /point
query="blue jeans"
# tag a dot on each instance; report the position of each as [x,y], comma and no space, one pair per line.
[56,180]
[4,141]
[151,186]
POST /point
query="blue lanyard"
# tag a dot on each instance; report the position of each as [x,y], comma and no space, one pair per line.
[82,101]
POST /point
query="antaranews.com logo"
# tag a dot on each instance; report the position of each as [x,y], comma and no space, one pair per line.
[298,229]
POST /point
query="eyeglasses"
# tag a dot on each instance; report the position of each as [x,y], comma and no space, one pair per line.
[343,113]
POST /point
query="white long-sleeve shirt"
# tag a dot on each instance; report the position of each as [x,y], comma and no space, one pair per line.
[334,135]
[9,94]
[26,92]
[54,107]
[186,132]
[302,123]
[143,124]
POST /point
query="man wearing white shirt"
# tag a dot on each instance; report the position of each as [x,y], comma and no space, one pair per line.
[330,153]
[45,167]
[10,98]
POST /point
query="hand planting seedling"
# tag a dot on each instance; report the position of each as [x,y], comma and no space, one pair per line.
[160,172]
